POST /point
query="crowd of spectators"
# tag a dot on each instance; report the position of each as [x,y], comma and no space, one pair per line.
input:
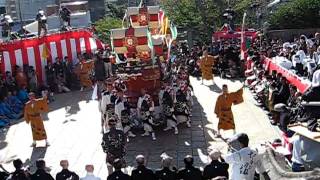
[216,169]
[61,76]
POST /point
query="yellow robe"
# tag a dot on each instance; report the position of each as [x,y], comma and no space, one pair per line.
[32,115]
[84,74]
[223,109]
[206,64]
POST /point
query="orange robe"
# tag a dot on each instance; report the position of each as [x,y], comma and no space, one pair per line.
[32,115]
[223,109]
[206,64]
[84,74]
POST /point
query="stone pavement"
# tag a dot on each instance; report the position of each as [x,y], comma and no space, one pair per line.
[73,128]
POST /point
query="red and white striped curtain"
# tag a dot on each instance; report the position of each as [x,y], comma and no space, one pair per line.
[30,51]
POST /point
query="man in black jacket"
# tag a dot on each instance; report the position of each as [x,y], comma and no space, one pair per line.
[65,174]
[113,144]
[189,172]
[141,172]
[19,173]
[118,174]
[217,168]
[41,173]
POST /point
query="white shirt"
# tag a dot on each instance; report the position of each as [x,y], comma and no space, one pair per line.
[296,151]
[105,100]
[244,163]
[90,176]
[140,100]
[119,107]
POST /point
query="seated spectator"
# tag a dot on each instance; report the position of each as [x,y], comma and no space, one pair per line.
[141,171]
[7,112]
[166,173]
[217,168]
[9,81]
[14,103]
[41,173]
[21,78]
[297,162]
[118,174]
[90,176]
[23,95]
[65,174]
[284,116]
[19,173]
[313,94]
[189,172]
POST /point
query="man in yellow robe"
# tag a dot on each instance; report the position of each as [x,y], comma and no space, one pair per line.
[32,115]
[223,108]
[84,73]
[206,64]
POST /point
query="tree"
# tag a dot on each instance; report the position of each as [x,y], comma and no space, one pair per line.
[296,15]
[103,27]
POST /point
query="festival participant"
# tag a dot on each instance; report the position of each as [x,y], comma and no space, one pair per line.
[141,98]
[113,144]
[65,174]
[122,112]
[42,22]
[146,110]
[206,63]
[105,102]
[32,115]
[181,108]
[41,173]
[168,112]
[223,108]
[141,171]
[84,74]
[65,15]
[189,172]
[245,161]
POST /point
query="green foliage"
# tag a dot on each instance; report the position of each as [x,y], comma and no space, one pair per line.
[296,15]
[103,27]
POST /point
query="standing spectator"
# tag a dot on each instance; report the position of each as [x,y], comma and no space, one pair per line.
[65,15]
[41,173]
[68,72]
[32,80]
[90,176]
[118,174]
[107,64]
[99,70]
[217,168]
[21,78]
[51,77]
[65,174]
[297,161]
[166,173]
[189,172]
[19,173]
[113,144]
[245,161]
[141,171]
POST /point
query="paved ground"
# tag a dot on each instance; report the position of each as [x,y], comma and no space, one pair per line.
[73,128]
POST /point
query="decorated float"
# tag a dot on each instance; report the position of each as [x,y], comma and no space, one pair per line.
[139,47]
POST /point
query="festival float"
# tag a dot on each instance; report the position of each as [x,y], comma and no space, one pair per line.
[139,49]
